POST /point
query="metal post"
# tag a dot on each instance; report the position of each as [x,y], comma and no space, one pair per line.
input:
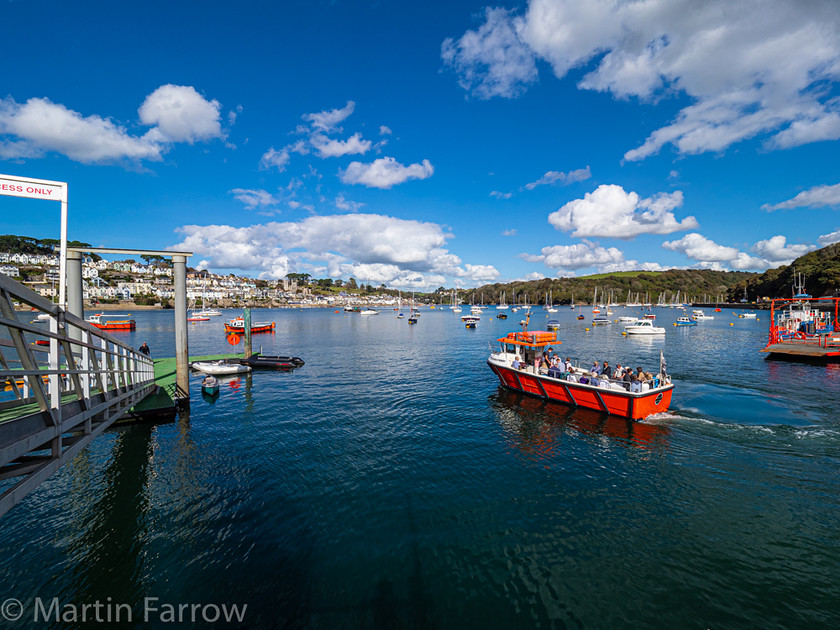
[247,332]
[182,353]
[62,260]
[75,304]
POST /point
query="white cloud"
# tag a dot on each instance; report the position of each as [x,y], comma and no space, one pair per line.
[493,60]
[40,126]
[374,247]
[327,121]
[500,195]
[255,198]
[746,71]
[275,159]
[327,147]
[385,173]
[611,212]
[828,239]
[510,232]
[181,114]
[578,256]
[344,204]
[816,197]
[534,275]
[700,248]
[384,131]
[558,177]
[776,250]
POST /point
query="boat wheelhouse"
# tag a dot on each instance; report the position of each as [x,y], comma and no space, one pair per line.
[578,387]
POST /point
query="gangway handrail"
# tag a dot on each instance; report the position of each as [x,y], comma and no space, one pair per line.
[87,380]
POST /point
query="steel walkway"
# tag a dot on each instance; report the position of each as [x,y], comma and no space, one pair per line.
[63,383]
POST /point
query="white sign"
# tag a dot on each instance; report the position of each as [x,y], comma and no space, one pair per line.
[43,189]
[34,189]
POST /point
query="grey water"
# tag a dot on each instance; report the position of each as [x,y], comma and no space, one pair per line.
[391,483]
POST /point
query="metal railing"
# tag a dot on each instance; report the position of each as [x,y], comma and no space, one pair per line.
[63,383]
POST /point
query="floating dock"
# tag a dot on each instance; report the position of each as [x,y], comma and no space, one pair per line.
[804,350]
[163,402]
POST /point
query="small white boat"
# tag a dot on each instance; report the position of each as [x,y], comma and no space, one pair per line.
[600,320]
[625,319]
[220,367]
[644,327]
[747,315]
[699,314]
[369,311]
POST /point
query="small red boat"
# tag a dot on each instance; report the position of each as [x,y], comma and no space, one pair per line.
[111,324]
[236,326]
[578,388]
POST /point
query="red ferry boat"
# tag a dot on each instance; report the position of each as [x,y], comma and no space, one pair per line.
[111,324]
[578,387]
[236,326]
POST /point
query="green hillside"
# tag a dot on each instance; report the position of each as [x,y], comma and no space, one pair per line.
[820,270]
[698,284]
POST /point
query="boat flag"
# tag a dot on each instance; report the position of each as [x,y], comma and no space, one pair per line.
[662,366]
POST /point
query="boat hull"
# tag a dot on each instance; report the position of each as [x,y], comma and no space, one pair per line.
[273,362]
[255,328]
[220,368]
[617,402]
[120,325]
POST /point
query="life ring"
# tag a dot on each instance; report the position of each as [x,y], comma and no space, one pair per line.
[799,335]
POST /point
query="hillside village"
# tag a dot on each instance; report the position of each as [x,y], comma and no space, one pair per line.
[127,281]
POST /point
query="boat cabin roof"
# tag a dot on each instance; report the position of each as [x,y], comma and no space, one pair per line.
[531,339]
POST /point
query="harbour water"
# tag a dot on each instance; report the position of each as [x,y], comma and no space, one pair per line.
[391,483]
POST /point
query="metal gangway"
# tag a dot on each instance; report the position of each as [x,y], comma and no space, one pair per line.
[62,383]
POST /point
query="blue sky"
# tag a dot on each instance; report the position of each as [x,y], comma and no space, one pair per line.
[429,144]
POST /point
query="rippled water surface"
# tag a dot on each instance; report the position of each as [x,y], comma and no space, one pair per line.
[390,482]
